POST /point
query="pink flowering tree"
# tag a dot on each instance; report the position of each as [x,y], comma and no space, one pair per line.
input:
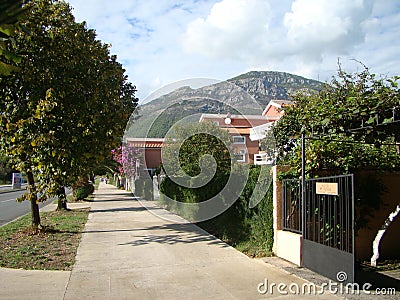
[127,157]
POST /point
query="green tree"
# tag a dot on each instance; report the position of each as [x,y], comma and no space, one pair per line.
[67,107]
[349,121]
[197,148]
[5,168]
[11,12]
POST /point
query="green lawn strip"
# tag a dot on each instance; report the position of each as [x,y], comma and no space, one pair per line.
[96,183]
[241,242]
[53,248]
[252,249]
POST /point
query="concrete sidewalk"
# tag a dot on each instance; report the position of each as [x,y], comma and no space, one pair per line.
[126,252]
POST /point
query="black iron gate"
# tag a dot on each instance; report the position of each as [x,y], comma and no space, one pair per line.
[327,224]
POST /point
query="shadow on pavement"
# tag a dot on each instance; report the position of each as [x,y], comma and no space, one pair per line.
[108,195]
[376,279]
[118,209]
[177,234]
[170,234]
[173,239]
[115,200]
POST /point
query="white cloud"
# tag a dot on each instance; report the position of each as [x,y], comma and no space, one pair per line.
[159,42]
[243,29]
[233,29]
[322,27]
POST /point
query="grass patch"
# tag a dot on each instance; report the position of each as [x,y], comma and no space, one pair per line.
[96,183]
[252,250]
[72,199]
[52,248]
[241,242]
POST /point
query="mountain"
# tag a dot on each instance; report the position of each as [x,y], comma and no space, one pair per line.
[268,85]
[247,93]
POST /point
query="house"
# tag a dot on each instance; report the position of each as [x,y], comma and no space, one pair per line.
[239,127]
[245,130]
[273,112]
[151,149]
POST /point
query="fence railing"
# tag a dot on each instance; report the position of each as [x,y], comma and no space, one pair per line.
[330,218]
[292,207]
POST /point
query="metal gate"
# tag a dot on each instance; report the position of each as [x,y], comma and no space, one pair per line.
[327,224]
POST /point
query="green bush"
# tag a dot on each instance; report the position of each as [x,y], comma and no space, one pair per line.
[239,223]
[83,192]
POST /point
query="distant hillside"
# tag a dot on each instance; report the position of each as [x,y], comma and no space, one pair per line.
[248,93]
[268,85]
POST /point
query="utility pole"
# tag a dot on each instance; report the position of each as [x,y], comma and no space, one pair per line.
[303,182]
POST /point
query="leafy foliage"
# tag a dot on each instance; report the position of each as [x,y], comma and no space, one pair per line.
[348,125]
[68,105]
[11,12]
[239,223]
[5,169]
[127,158]
[352,127]
[84,191]
[193,146]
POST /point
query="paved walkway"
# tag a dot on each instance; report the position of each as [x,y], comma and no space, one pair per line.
[126,252]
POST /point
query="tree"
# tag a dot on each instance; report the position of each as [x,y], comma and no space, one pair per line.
[199,148]
[348,122]
[5,168]
[67,107]
[11,12]
[127,158]
[353,124]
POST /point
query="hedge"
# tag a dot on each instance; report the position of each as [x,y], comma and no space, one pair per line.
[144,188]
[239,222]
[83,192]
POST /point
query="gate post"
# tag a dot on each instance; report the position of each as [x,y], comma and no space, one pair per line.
[303,190]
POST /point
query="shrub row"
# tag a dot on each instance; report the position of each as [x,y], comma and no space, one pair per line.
[144,188]
[239,222]
[82,192]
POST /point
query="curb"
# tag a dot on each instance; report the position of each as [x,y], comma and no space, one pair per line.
[10,191]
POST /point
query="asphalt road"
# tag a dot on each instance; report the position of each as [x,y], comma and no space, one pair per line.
[10,209]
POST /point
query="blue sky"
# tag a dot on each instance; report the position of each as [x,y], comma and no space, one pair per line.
[163,41]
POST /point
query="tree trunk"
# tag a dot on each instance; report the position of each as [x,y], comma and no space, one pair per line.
[62,199]
[381,232]
[34,202]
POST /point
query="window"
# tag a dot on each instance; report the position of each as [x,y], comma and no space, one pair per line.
[238,139]
[241,156]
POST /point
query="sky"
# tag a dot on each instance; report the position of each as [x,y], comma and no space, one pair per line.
[160,42]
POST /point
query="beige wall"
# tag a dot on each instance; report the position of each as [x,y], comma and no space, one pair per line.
[287,245]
